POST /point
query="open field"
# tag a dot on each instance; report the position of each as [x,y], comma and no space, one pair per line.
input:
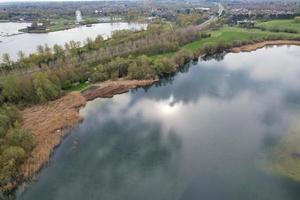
[280,25]
[227,35]
[230,34]
[61,24]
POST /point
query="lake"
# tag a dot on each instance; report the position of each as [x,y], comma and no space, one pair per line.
[28,42]
[204,133]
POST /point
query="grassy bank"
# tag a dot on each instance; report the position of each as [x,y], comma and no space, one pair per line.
[291,25]
[227,35]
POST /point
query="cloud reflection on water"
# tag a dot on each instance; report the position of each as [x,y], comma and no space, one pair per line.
[198,135]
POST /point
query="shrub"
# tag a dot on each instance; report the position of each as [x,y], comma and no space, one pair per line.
[15,144]
[297,19]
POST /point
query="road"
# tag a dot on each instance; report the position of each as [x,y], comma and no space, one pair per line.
[213,18]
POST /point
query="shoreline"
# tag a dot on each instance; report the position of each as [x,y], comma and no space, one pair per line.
[52,122]
[260,45]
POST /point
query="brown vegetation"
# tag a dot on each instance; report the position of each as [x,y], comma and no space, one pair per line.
[110,88]
[48,124]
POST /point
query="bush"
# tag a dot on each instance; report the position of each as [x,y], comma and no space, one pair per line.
[11,88]
[15,144]
[297,19]
[45,89]
[140,68]
[183,56]
[164,65]
[17,136]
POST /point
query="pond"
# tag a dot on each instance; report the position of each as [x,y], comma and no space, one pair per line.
[28,43]
[204,133]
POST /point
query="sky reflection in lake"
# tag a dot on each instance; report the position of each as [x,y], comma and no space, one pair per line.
[202,134]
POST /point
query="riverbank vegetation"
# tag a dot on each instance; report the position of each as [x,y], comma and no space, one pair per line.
[41,77]
[145,54]
[15,145]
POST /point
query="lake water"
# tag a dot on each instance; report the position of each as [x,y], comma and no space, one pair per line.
[202,134]
[28,42]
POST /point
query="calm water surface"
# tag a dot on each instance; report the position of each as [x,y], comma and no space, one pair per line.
[202,134]
[28,42]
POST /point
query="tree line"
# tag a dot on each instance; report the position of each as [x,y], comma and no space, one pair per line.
[42,76]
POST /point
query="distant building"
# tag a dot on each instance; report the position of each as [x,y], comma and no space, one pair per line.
[202,9]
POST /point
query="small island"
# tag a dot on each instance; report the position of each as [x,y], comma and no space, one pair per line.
[52,25]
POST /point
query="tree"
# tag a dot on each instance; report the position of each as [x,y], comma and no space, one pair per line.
[59,51]
[21,55]
[140,68]
[17,136]
[15,144]
[99,74]
[40,49]
[6,59]
[164,65]
[90,43]
[11,88]
[44,88]
[74,47]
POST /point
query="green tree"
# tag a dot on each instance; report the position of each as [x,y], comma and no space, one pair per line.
[17,136]
[6,59]
[164,65]
[44,88]
[11,88]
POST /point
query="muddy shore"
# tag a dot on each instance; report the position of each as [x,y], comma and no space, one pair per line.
[51,122]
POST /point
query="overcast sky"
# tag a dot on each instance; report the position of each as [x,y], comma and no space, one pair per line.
[1,1]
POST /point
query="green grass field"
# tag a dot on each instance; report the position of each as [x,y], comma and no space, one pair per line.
[61,24]
[78,88]
[230,34]
[280,25]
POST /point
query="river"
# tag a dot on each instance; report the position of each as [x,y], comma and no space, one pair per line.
[28,42]
[204,133]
